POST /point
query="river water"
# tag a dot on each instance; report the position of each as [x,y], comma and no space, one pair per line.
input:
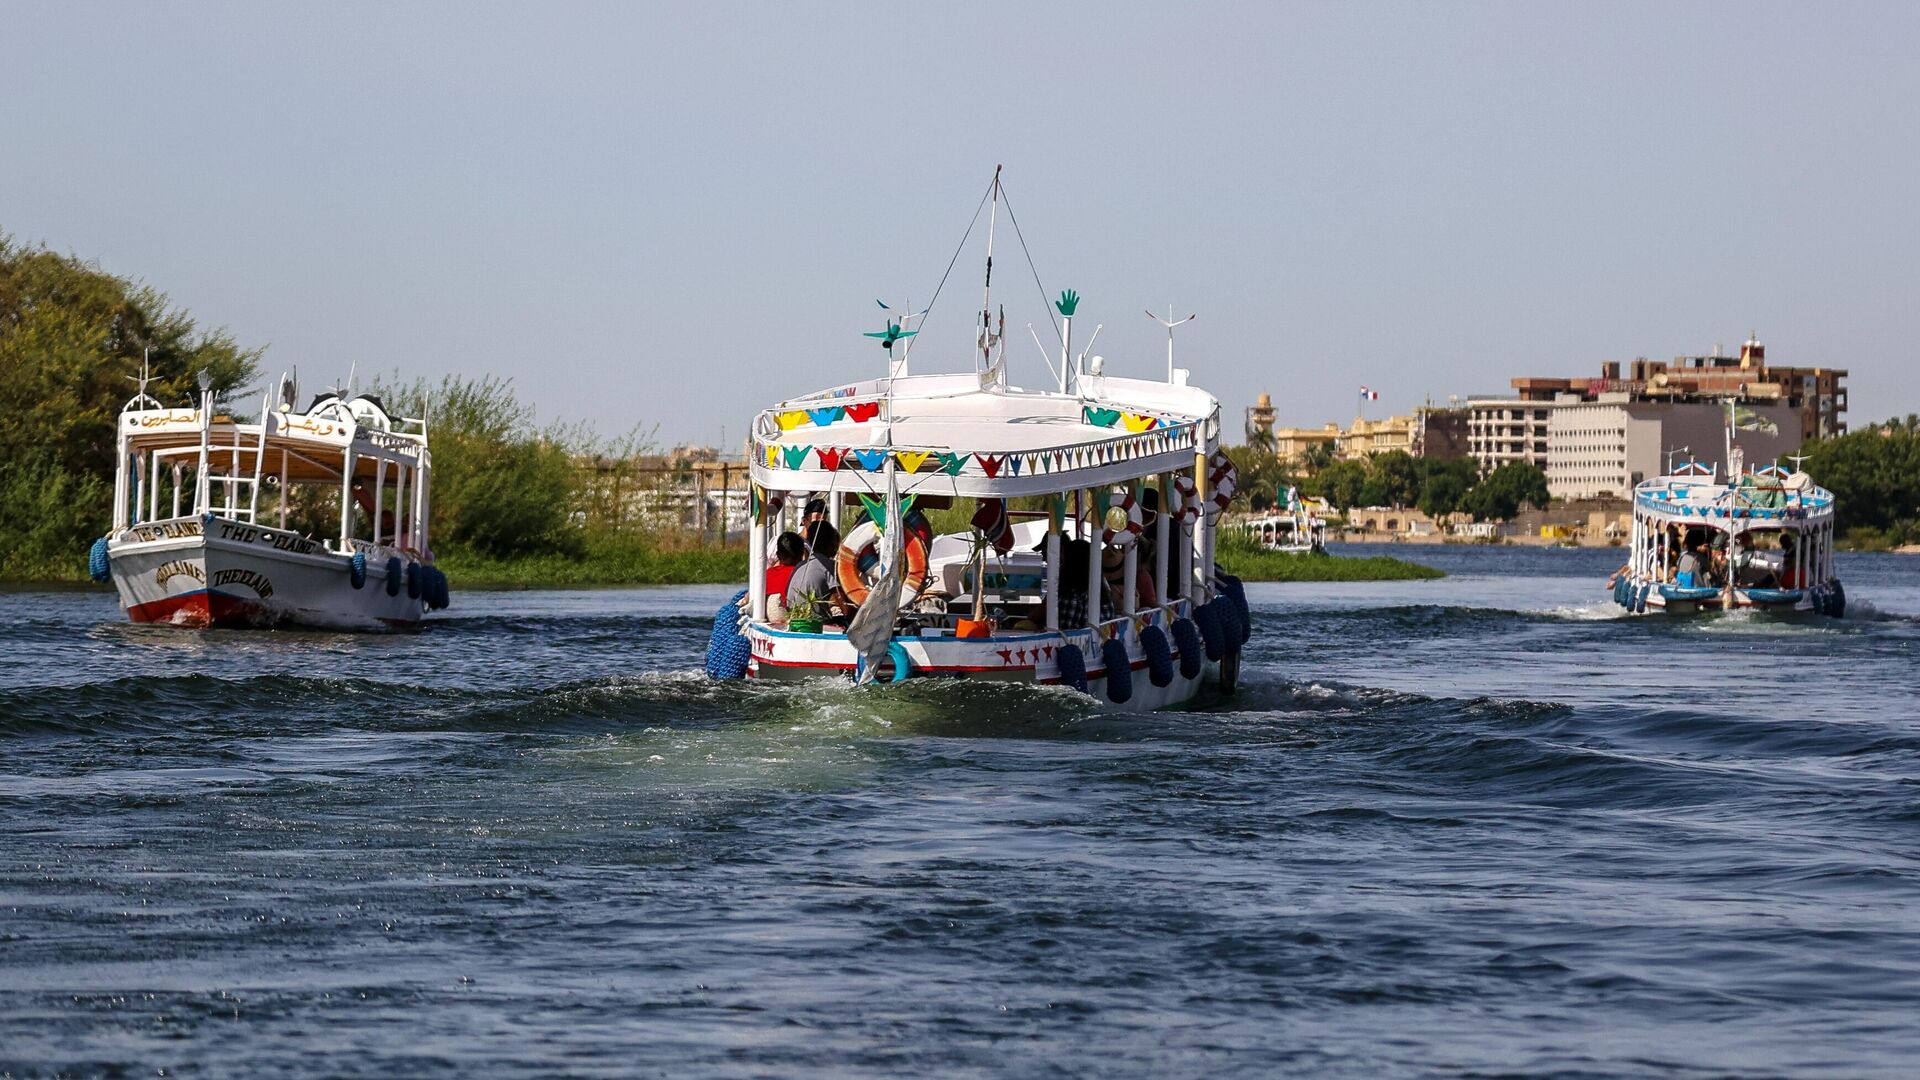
[1470,827]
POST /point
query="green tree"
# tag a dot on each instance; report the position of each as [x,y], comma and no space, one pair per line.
[1317,457]
[1874,474]
[1444,482]
[1340,483]
[1503,492]
[70,336]
[1399,474]
[500,485]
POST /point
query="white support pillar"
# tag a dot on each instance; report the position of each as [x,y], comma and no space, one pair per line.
[346,498]
[1094,551]
[284,491]
[379,497]
[757,567]
[402,521]
[1160,524]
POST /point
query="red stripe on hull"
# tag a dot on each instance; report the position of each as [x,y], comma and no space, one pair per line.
[202,610]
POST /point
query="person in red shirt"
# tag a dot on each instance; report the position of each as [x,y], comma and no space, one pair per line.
[789,552]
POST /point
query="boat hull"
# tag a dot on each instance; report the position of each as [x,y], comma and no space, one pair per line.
[1032,659]
[221,573]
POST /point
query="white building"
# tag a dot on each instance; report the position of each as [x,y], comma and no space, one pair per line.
[1605,447]
[1500,430]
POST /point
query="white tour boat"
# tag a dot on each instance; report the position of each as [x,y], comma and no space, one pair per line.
[1759,539]
[194,544]
[1292,528]
[1090,557]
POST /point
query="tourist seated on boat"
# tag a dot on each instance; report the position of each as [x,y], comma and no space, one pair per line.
[789,551]
[1075,558]
[1113,568]
[815,574]
[1686,572]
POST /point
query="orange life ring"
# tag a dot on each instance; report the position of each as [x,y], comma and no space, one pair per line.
[863,542]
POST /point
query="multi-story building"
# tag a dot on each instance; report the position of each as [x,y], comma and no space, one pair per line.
[1440,433]
[1292,444]
[1800,403]
[1605,447]
[1500,430]
[1818,396]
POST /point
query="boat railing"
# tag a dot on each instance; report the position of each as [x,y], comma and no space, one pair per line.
[931,459]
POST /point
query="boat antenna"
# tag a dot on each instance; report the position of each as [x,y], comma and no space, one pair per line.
[987,339]
[1672,450]
[1169,323]
[143,379]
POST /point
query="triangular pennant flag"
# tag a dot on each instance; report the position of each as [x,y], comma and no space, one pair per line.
[773,457]
[990,464]
[790,419]
[830,458]
[1013,463]
[911,460]
[876,509]
[863,412]
[870,460]
[797,456]
[951,463]
[823,417]
[1134,422]
[1100,417]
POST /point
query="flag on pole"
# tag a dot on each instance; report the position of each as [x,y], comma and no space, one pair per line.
[1369,395]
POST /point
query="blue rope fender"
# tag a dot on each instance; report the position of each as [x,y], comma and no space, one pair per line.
[1113,656]
[393,575]
[727,648]
[1187,636]
[97,565]
[1153,642]
[357,569]
[413,581]
[1073,667]
[1207,618]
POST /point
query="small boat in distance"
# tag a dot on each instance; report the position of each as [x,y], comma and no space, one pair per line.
[191,543]
[1759,539]
[1292,527]
[1087,559]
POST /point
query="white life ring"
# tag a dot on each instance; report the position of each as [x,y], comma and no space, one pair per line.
[1128,530]
[1184,503]
[1224,482]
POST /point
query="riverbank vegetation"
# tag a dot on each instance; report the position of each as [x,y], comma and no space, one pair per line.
[1237,554]
[515,502]
[1435,486]
[1874,474]
[72,338]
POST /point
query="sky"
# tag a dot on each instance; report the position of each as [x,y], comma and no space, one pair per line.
[666,217]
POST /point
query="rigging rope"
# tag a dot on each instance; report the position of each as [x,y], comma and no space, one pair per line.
[950,263]
[1045,304]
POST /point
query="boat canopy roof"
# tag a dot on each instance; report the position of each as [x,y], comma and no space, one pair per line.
[946,434]
[1767,497]
[315,442]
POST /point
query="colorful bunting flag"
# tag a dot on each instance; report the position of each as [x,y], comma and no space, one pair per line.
[797,456]
[791,419]
[870,460]
[829,457]
[951,463]
[823,417]
[911,460]
[863,412]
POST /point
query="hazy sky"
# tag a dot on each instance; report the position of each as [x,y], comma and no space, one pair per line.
[663,215]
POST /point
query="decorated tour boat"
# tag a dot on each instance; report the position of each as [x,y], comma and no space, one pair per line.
[1087,556]
[221,522]
[1757,539]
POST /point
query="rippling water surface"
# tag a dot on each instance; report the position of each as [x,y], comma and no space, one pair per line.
[1479,826]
